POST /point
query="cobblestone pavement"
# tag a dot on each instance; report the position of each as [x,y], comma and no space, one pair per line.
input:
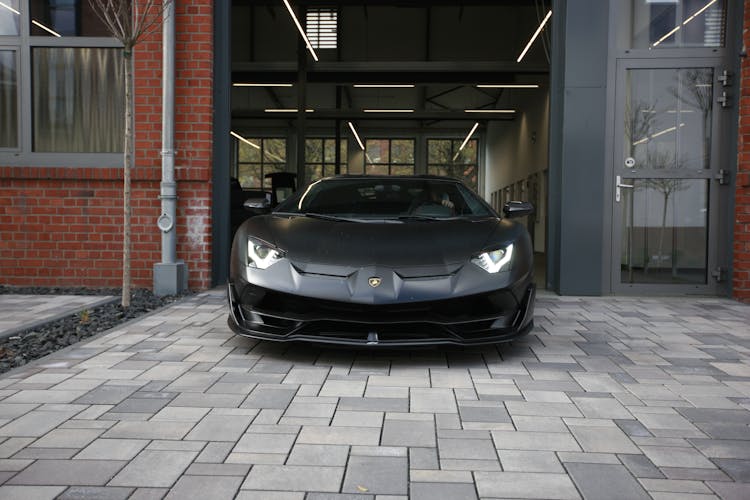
[19,312]
[607,398]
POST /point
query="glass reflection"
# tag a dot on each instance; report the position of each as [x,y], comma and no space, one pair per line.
[8,100]
[10,16]
[665,228]
[659,24]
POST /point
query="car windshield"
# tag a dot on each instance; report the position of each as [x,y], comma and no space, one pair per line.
[378,198]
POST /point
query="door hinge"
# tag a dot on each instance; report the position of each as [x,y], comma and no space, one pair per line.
[723,99]
[722,177]
[724,78]
[719,274]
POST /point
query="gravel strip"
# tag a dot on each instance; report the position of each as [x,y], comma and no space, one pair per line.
[41,340]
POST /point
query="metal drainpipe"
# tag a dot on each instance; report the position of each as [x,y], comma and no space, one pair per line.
[168,186]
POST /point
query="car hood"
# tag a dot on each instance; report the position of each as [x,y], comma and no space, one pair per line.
[441,244]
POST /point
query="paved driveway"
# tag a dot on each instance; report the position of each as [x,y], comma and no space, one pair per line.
[607,398]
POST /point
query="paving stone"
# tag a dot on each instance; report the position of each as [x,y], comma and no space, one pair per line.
[149,430]
[472,449]
[408,433]
[154,468]
[540,441]
[603,439]
[35,423]
[723,448]
[106,395]
[731,491]
[529,461]
[294,478]
[205,487]
[525,485]
[378,475]
[664,456]
[28,492]
[483,414]
[358,418]
[343,388]
[215,452]
[423,458]
[68,472]
[96,493]
[265,443]
[640,466]
[219,428]
[432,400]
[442,491]
[265,396]
[339,435]
[318,454]
[374,404]
[67,438]
[112,449]
[739,470]
[605,481]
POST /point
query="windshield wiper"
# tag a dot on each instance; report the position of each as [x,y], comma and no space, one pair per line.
[315,215]
[429,217]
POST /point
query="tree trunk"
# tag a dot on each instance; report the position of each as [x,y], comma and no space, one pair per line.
[127,165]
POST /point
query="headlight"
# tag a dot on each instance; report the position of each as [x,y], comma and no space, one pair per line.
[496,260]
[261,255]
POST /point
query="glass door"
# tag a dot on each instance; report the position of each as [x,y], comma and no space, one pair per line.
[666,177]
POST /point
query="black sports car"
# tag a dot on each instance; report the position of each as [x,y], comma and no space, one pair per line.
[383,260]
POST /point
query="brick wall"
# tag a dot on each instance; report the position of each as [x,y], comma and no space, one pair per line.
[62,226]
[741,275]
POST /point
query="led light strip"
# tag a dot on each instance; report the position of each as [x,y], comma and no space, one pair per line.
[301,31]
[388,110]
[536,34]
[383,86]
[506,111]
[509,86]
[238,136]
[262,85]
[2,4]
[356,136]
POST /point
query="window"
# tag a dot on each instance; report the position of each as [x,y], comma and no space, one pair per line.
[76,108]
[321,28]
[8,99]
[389,156]
[445,157]
[320,158]
[61,85]
[258,157]
[659,24]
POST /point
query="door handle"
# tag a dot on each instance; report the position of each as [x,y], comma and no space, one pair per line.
[618,186]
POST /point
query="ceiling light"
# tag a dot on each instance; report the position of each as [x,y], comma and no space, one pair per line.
[3,4]
[536,34]
[679,26]
[262,84]
[49,30]
[384,86]
[657,134]
[388,110]
[301,31]
[509,86]
[238,136]
[356,136]
[285,110]
[463,144]
[489,111]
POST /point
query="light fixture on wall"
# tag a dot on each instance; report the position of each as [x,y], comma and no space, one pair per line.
[356,135]
[533,37]
[301,31]
[239,137]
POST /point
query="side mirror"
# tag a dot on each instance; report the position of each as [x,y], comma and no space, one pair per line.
[257,205]
[513,209]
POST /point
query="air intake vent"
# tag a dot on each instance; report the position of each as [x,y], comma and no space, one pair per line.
[322,27]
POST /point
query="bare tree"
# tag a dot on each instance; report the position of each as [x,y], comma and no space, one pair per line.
[129,21]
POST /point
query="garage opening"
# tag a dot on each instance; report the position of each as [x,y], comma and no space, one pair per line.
[457,88]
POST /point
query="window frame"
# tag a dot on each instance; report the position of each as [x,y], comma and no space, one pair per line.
[343,159]
[454,141]
[19,115]
[390,163]
[238,163]
[24,44]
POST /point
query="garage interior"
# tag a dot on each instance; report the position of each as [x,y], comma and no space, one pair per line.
[458,88]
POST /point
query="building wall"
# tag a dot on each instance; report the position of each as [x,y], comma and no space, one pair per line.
[741,254]
[62,226]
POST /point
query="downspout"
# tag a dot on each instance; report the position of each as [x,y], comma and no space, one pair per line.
[170,276]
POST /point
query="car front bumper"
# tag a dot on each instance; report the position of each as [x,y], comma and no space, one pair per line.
[484,318]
